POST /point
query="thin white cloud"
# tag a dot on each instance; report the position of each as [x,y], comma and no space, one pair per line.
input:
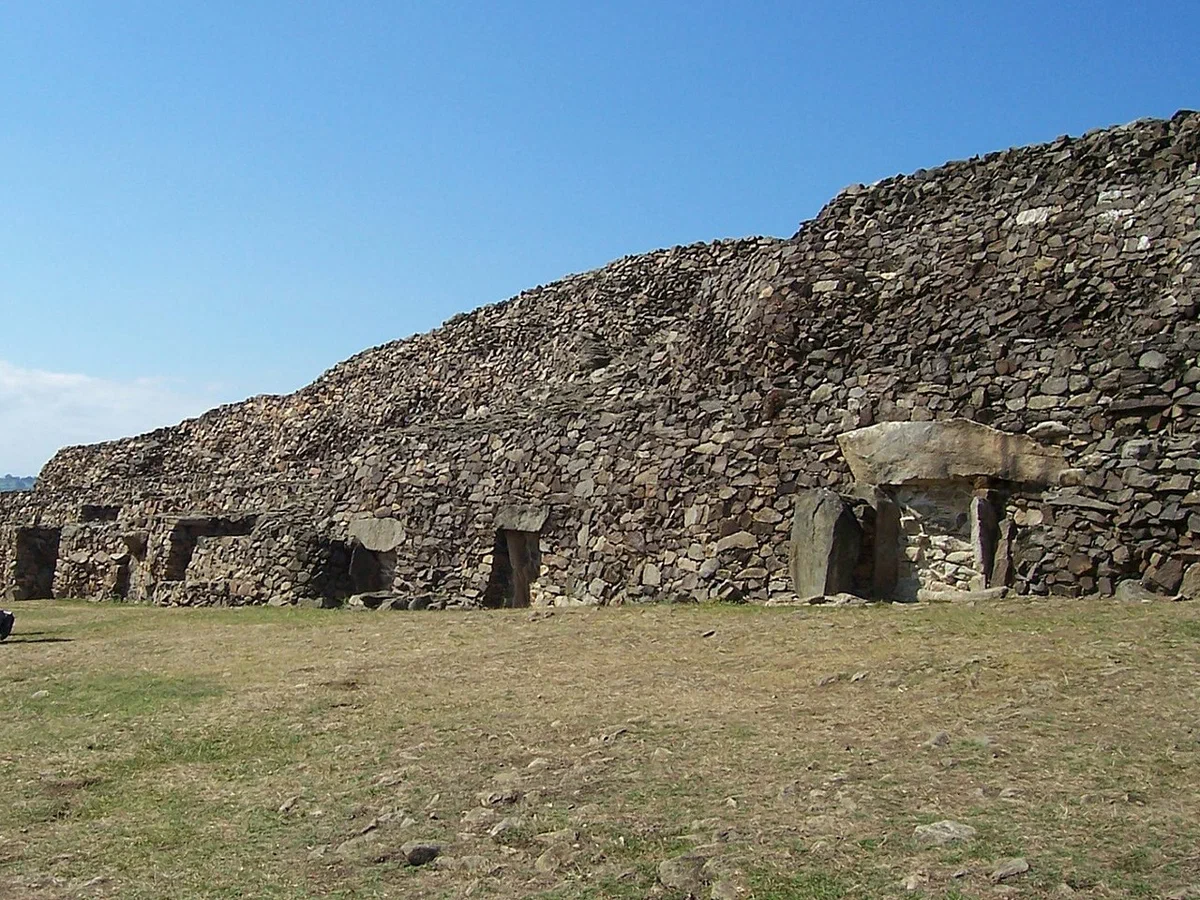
[43,411]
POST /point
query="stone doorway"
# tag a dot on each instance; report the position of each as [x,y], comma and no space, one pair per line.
[947,537]
[516,565]
[516,557]
[121,577]
[36,561]
[186,534]
[928,515]
[371,570]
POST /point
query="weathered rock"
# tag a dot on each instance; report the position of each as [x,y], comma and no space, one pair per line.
[480,816]
[553,858]
[981,596]
[914,882]
[522,518]
[938,834]
[372,600]
[683,873]
[841,599]
[825,544]
[357,845]
[903,452]
[1049,432]
[1131,590]
[420,853]
[1009,868]
[1189,588]
[501,796]
[377,533]
[741,540]
[504,827]
[1164,577]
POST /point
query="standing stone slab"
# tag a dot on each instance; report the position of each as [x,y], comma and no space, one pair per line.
[826,539]
[887,547]
[985,536]
[1002,558]
[1189,589]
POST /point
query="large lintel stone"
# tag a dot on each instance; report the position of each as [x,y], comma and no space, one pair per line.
[378,534]
[521,518]
[904,452]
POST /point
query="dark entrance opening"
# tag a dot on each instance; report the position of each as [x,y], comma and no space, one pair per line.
[121,577]
[187,532]
[36,561]
[129,572]
[92,512]
[371,570]
[516,564]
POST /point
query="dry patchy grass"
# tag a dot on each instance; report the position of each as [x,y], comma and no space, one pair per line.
[288,753]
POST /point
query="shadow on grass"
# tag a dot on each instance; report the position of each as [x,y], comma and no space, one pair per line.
[27,639]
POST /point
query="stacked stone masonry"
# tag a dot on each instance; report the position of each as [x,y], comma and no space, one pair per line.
[658,418]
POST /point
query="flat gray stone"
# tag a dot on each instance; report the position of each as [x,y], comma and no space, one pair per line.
[371,600]
[1189,589]
[926,595]
[740,540]
[939,834]
[1152,359]
[1079,501]
[1010,868]
[378,534]
[1133,591]
[553,858]
[505,826]
[940,739]
[683,873]
[522,518]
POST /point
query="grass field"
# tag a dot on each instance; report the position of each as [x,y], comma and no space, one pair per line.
[781,753]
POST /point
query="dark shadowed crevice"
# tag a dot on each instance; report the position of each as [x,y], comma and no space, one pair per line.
[36,561]
[372,570]
[516,565]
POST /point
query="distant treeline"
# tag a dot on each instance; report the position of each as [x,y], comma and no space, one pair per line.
[16,483]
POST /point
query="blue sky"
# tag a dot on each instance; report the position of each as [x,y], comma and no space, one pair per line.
[202,201]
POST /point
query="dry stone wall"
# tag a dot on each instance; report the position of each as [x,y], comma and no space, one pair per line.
[664,411]
[937,553]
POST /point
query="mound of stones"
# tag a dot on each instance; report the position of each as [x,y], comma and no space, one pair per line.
[662,419]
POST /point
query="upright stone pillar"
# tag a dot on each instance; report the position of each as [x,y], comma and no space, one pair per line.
[826,539]
[887,547]
[1002,564]
[985,536]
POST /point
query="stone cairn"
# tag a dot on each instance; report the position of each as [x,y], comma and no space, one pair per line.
[682,425]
